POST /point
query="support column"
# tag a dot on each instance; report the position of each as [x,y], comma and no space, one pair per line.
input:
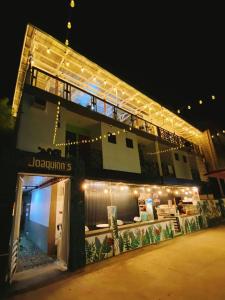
[77,219]
[158,158]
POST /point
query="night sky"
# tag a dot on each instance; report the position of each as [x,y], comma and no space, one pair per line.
[170,51]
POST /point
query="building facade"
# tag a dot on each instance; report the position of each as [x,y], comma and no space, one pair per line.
[94,154]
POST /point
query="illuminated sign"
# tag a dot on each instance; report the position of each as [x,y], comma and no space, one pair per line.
[50,165]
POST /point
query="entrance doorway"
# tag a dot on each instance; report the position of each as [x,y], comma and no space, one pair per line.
[40,232]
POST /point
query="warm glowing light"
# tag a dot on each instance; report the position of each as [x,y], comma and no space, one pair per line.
[200,101]
[84,186]
[213,97]
[178,111]
[217,134]
[72,3]
[160,192]
[67,42]
[168,190]
[148,190]
[67,64]
[176,192]
[69,25]
[223,131]
[82,69]
[135,192]
[106,191]
[105,82]
[48,51]
[212,136]
[189,107]
[122,188]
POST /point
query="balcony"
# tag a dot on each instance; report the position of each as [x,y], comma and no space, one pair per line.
[40,79]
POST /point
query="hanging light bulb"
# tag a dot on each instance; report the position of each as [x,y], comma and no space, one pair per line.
[178,111]
[213,97]
[69,25]
[200,101]
[67,42]
[189,107]
[72,3]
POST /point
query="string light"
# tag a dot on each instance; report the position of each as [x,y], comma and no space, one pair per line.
[213,97]
[72,3]
[69,25]
[56,122]
[90,140]
[166,150]
[218,133]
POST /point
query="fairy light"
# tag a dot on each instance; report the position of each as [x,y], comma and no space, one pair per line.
[56,122]
[84,186]
[72,3]
[69,24]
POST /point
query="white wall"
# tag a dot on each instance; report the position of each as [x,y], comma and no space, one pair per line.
[117,156]
[40,206]
[59,207]
[36,127]
[182,169]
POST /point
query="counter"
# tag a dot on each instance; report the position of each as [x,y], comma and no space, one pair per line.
[103,243]
[191,223]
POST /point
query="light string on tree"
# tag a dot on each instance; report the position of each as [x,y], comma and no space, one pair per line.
[57,116]
[69,23]
[189,107]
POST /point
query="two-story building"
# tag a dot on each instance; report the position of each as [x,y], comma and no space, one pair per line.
[86,142]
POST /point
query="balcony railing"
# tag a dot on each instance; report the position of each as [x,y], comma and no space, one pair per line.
[67,91]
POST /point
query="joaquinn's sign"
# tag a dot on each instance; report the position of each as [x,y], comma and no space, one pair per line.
[52,165]
[32,162]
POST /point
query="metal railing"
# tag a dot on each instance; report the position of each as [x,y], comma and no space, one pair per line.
[67,91]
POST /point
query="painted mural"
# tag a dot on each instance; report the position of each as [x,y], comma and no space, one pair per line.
[144,235]
[209,208]
[192,223]
[98,247]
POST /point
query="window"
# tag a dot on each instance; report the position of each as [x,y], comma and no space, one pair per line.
[111,138]
[184,159]
[129,143]
[176,156]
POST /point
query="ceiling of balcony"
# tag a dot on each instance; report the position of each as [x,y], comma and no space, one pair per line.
[52,56]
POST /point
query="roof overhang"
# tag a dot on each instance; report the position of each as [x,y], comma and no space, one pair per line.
[54,57]
[220,174]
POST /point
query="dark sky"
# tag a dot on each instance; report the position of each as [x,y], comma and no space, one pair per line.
[172,51]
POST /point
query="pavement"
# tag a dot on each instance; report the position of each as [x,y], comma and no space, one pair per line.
[187,267]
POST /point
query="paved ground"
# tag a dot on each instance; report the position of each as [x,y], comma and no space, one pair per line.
[188,267]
